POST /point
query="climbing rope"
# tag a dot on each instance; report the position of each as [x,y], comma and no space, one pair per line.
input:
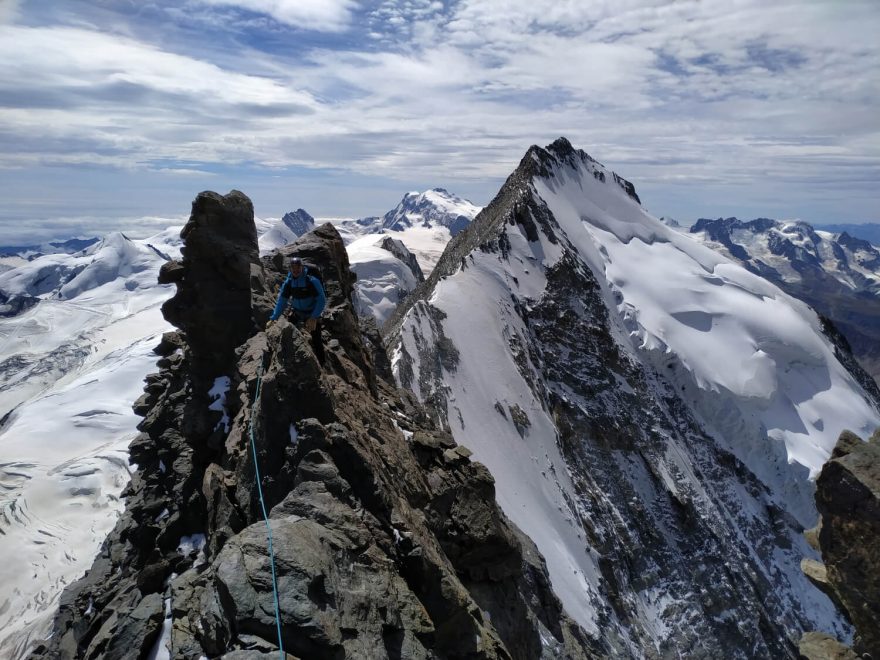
[263,506]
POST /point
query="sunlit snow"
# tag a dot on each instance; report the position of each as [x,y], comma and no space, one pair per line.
[72,365]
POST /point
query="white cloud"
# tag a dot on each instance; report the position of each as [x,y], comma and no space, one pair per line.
[8,10]
[322,15]
[687,91]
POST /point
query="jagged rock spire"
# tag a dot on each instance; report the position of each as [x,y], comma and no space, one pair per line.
[213,305]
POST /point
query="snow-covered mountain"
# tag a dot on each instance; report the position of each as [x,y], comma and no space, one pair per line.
[31,252]
[424,222]
[57,305]
[72,361]
[836,274]
[650,410]
[288,229]
[793,252]
[432,208]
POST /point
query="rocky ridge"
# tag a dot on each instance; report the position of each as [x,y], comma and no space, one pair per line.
[399,250]
[388,541]
[848,537]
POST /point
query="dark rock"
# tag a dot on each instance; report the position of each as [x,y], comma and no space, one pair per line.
[399,250]
[151,578]
[171,341]
[129,634]
[171,272]
[848,499]
[213,301]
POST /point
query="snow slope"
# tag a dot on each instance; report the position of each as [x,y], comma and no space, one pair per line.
[383,279]
[71,365]
[80,298]
[734,332]
[836,274]
[612,373]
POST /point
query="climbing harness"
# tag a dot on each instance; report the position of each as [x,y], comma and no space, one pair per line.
[263,506]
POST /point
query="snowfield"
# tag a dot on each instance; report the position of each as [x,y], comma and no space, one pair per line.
[736,334]
[383,279]
[72,365]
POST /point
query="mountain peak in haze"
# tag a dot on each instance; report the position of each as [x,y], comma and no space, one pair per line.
[299,221]
[432,208]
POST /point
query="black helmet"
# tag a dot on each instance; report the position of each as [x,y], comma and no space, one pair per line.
[295,261]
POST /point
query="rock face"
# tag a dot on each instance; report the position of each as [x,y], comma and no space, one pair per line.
[848,499]
[212,305]
[387,539]
[399,250]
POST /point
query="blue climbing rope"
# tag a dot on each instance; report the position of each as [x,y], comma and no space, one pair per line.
[263,506]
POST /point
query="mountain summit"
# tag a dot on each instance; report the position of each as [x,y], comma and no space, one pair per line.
[432,208]
[650,411]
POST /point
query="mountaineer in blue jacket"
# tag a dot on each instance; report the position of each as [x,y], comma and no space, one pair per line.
[304,293]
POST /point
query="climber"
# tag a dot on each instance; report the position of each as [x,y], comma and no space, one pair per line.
[305,295]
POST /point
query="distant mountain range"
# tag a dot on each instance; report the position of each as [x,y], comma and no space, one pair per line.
[33,251]
[868,231]
[837,274]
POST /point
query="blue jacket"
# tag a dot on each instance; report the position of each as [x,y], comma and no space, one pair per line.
[306,301]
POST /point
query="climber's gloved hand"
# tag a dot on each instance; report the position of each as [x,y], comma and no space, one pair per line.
[270,323]
[311,324]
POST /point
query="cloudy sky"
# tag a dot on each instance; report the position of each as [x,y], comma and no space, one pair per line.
[112,110]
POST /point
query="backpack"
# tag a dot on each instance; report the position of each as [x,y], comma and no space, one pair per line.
[309,290]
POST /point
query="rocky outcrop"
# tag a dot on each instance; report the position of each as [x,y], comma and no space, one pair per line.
[387,539]
[819,646]
[213,300]
[399,250]
[848,536]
